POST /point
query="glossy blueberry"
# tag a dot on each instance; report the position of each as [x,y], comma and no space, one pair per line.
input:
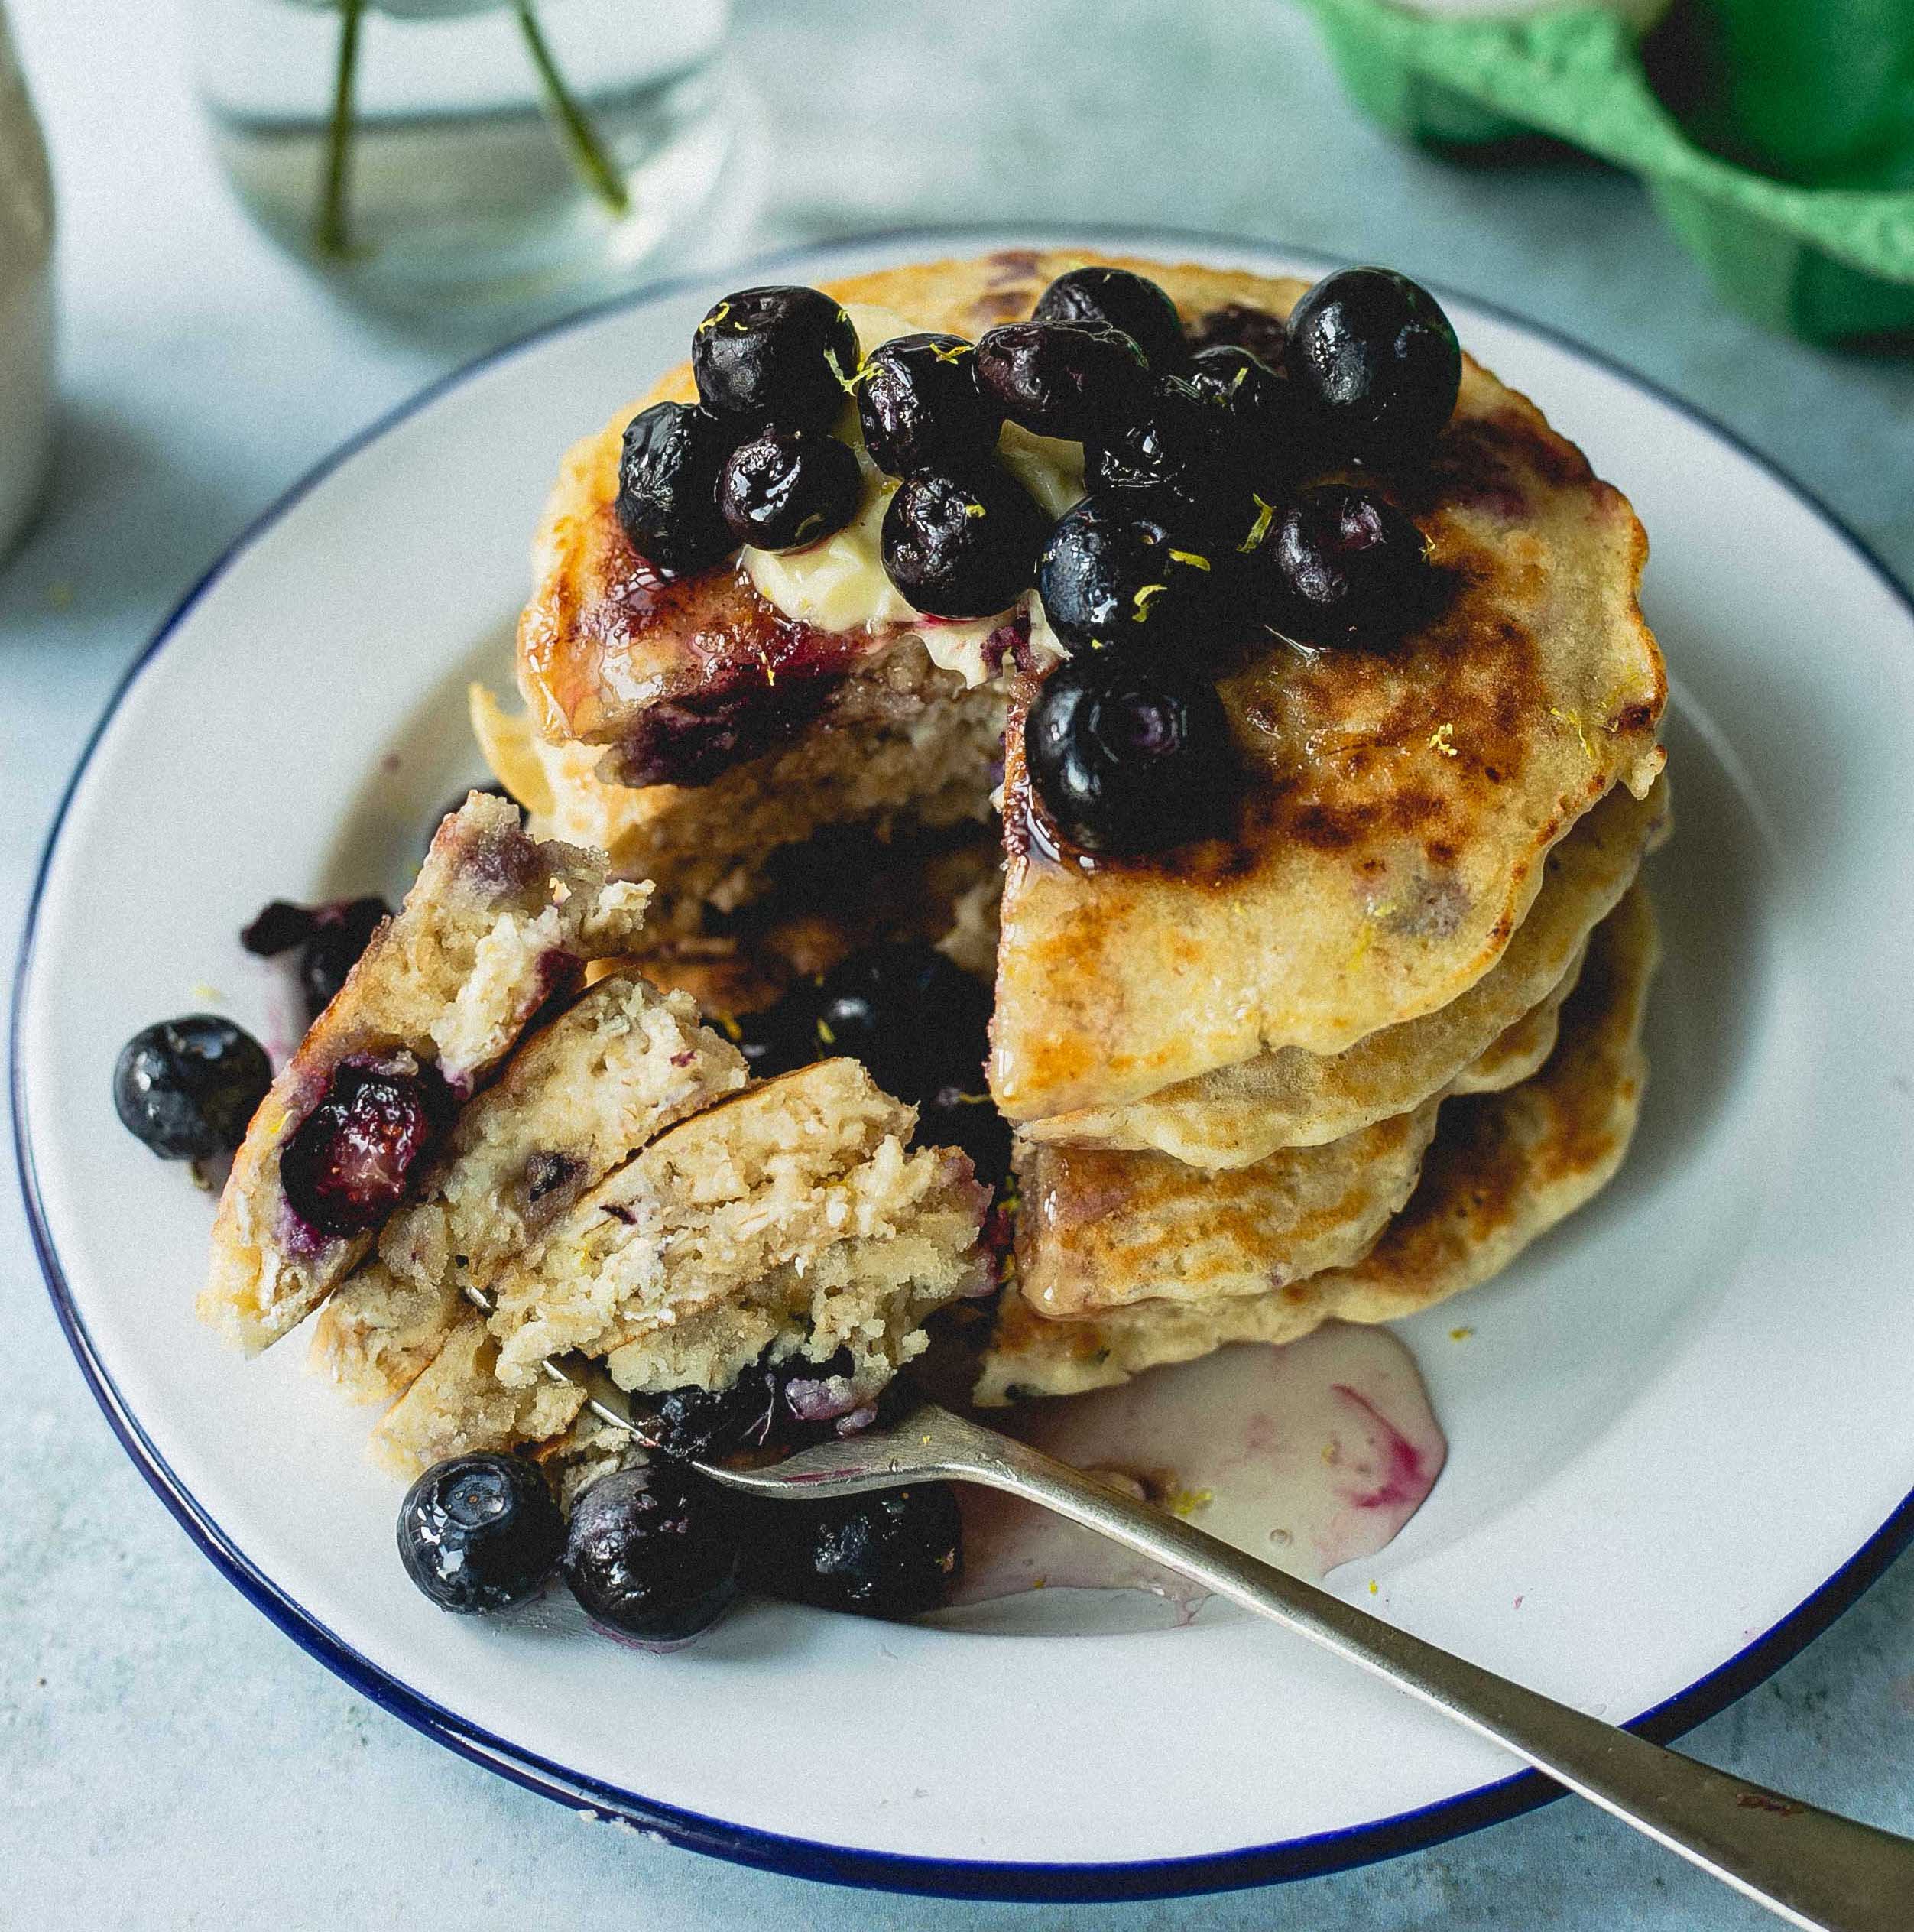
[1240,327]
[1116,571]
[1176,442]
[915,1019]
[1347,564]
[1376,365]
[1128,752]
[667,500]
[654,1551]
[896,1554]
[1130,302]
[776,355]
[778,1038]
[345,1166]
[1256,406]
[785,488]
[187,1088]
[962,1114]
[1085,381]
[480,1533]
[328,939]
[961,547]
[920,406]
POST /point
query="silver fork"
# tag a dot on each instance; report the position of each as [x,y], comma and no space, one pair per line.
[1825,1873]
[1812,1868]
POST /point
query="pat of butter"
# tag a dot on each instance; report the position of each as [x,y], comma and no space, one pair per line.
[839,584]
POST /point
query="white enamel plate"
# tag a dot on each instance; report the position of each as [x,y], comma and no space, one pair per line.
[1680,1438]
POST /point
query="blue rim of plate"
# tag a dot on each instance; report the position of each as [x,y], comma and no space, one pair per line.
[1256,1864]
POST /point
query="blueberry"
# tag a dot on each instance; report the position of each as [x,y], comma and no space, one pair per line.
[1114,571]
[916,1020]
[1128,751]
[329,939]
[1346,564]
[480,1533]
[345,1166]
[1132,303]
[1375,364]
[704,1425]
[187,1087]
[340,934]
[920,406]
[777,1039]
[895,1553]
[1242,327]
[785,488]
[667,500]
[962,1114]
[654,1551]
[1085,381]
[1177,441]
[776,355]
[961,547]
[1257,409]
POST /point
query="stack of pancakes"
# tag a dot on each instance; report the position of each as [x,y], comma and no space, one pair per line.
[1344,1060]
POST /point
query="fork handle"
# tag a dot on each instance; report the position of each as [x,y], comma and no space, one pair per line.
[1814,1869]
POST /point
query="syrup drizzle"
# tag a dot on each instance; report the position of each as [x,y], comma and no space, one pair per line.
[1311,1456]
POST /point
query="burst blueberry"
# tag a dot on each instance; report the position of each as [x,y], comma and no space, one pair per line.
[346,1166]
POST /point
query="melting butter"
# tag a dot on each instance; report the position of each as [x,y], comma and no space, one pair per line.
[839,584]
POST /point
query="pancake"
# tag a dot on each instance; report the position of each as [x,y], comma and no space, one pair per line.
[1098,1230]
[1242,1114]
[1399,802]
[1502,1170]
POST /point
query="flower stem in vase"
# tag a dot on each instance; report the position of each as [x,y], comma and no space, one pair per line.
[574,124]
[331,235]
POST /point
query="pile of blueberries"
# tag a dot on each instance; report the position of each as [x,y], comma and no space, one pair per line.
[919,1023]
[659,1551]
[1201,527]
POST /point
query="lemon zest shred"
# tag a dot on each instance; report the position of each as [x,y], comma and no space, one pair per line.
[1141,600]
[1191,557]
[1442,739]
[1265,516]
[1573,720]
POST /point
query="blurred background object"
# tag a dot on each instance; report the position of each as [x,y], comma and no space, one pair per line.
[26,298]
[1775,137]
[498,154]
[1821,93]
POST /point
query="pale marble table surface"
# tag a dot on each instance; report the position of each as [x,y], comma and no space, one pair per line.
[166,1758]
